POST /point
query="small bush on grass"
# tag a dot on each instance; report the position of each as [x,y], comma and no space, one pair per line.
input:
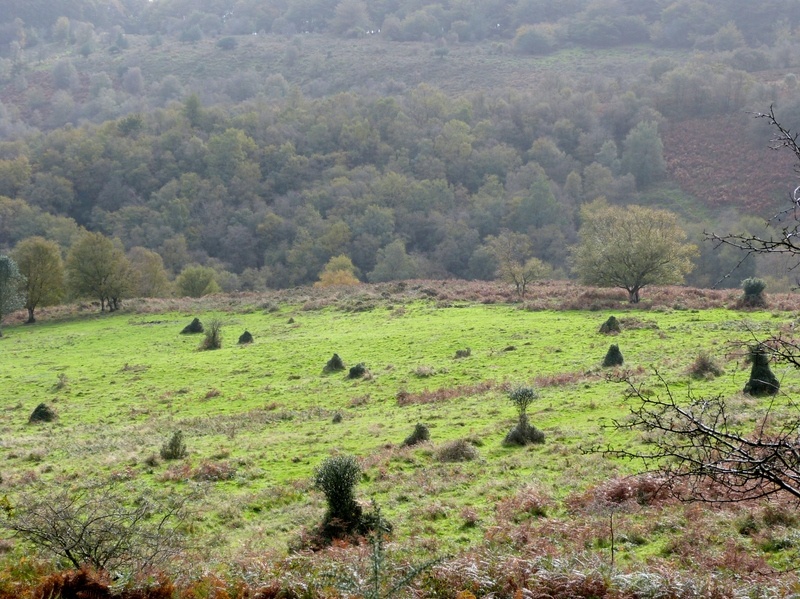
[762,381]
[245,338]
[193,327]
[753,293]
[460,450]
[337,478]
[335,364]
[359,371]
[462,353]
[419,435]
[213,335]
[613,357]
[42,413]
[610,326]
[704,367]
[175,448]
[523,433]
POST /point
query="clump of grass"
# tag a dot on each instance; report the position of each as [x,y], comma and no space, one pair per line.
[213,335]
[462,353]
[704,367]
[424,371]
[175,448]
[62,382]
[460,450]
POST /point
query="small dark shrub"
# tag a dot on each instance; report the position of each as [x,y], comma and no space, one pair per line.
[358,371]
[420,434]
[213,338]
[457,451]
[42,413]
[523,434]
[337,478]
[245,337]
[610,326]
[704,367]
[762,381]
[337,418]
[613,356]
[175,448]
[335,364]
[463,353]
[193,327]
[753,296]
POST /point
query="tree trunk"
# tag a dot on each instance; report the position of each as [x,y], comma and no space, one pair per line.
[31,317]
[633,295]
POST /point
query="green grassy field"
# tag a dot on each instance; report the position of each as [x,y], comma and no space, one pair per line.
[258,418]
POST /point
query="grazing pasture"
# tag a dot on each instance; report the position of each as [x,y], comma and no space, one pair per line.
[258,418]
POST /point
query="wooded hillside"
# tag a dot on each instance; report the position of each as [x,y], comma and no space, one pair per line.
[264,139]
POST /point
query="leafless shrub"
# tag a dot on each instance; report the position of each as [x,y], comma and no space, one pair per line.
[704,367]
[213,335]
[460,450]
[105,525]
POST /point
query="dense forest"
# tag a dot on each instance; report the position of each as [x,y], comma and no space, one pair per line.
[261,140]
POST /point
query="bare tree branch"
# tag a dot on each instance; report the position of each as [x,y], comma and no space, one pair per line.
[103,524]
[703,451]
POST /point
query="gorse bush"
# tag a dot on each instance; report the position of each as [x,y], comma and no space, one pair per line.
[337,478]
[419,435]
[753,296]
[358,371]
[523,433]
[42,413]
[610,326]
[193,327]
[762,381]
[175,448]
[613,357]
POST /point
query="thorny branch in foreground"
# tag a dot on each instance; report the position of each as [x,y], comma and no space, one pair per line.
[705,453]
[786,223]
[103,524]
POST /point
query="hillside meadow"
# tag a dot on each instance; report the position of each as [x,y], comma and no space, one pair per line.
[258,418]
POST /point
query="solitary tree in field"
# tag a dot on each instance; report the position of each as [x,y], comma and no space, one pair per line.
[10,281]
[97,267]
[39,261]
[515,265]
[630,247]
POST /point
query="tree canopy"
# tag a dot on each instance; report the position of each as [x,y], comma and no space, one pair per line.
[631,247]
[39,261]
